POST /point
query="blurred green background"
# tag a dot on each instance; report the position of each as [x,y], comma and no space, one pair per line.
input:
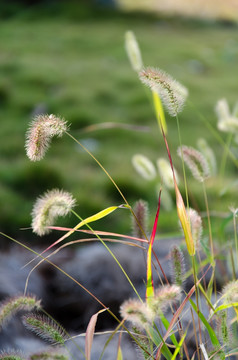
[68,58]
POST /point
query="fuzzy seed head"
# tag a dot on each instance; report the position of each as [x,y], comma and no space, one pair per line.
[39,135]
[51,354]
[209,155]
[222,329]
[11,355]
[166,173]
[164,296]
[144,166]
[227,122]
[196,226]
[45,328]
[137,312]
[11,306]
[141,213]
[230,292]
[177,265]
[133,51]
[48,207]
[171,92]
[195,161]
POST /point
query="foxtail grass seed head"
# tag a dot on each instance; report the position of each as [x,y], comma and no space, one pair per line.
[166,173]
[222,110]
[167,202]
[230,292]
[171,92]
[196,226]
[39,135]
[177,265]
[195,161]
[141,213]
[45,328]
[11,306]
[11,355]
[53,353]
[48,207]
[144,166]
[133,51]
[209,155]
[164,296]
[227,122]
[222,329]
[137,312]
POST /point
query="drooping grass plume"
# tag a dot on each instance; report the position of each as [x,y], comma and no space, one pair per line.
[11,355]
[209,155]
[164,296]
[195,161]
[141,213]
[171,92]
[196,226]
[49,354]
[49,206]
[230,292]
[45,328]
[177,265]
[222,328]
[227,121]
[133,51]
[40,132]
[11,306]
[137,312]
[166,173]
[144,166]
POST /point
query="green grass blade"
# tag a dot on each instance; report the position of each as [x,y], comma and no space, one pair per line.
[210,331]
[178,347]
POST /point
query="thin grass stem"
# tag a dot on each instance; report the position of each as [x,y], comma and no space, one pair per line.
[225,156]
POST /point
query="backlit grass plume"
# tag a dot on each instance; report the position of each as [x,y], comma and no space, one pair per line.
[51,354]
[230,292]
[144,166]
[11,355]
[227,121]
[196,226]
[195,161]
[49,206]
[164,296]
[171,92]
[141,213]
[133,51]
[39,135]
[11,306]
[208,153]
[46,328]
[166,173]
[177,264]
[137,312]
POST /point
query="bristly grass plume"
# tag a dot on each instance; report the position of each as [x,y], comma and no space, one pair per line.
[195,161]
[46,328]
[171,92]
[13,305]
[144,166]
[40,132]
[49,206]
[137,312]
[133,51]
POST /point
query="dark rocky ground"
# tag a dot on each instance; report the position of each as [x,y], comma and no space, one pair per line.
[95,268]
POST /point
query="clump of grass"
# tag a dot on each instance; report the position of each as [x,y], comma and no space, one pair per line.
[144,315]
